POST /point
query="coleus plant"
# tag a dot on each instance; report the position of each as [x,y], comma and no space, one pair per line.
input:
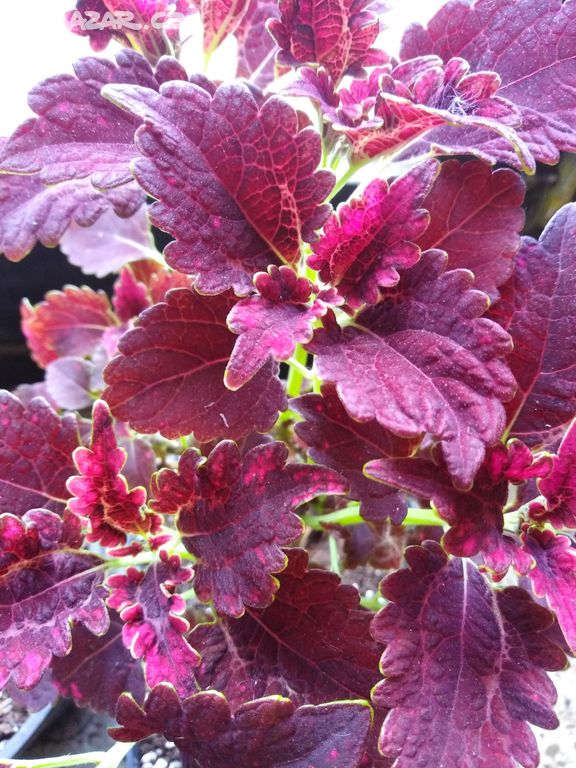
[296,399]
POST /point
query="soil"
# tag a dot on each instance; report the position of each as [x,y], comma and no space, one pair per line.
[11,718]
[156,752]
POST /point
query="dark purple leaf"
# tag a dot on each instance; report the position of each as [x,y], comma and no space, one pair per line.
[41,695]
[169,375]
[538,308]
[45,583]
[98,669]
[373,236]
[341,442]
[271,323]
[234,514]
[470,203]
[237,182]
[219,19]
[475,516]
[311,643]
[259,733]
[463,667]
[532,46]
[36,449]
[559,487]
[424,360]
[256,48]
[554,576]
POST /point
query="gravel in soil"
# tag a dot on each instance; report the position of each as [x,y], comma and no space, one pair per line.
[156,752]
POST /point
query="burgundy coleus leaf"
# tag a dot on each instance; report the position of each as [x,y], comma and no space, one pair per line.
[36,447]
[270,323]
[46,582]
[464,666]
[467,203]
[154,625]
[337,440]
[236,180]
[101,492]
[258,733]
[373,236]
[98,669]
[219,19]
[68,322]
[554,575]
[234,514]
[256,46]
[84,10]
[537,308]
[169,375]
[110,243]
[424,360]
[31,211]
[559,487]
[475,516]
[338,34]
[393,108]
[130,296]
[312,643]
[531,45]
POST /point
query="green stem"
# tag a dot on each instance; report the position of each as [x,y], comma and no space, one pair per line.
[110,759]
[350,515]
[296,376]
[334,555]
[347,176]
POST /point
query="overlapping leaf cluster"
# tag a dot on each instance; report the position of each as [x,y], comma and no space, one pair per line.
[292,388]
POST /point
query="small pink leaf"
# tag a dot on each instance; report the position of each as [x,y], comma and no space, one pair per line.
[271,323]
[154,625]
[559,487]
[169,375]
[373,236]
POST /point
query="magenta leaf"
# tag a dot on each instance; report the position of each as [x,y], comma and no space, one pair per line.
[559,487]
[531,46]
[339,441]
[476,516]
[98,669]
[31,211]
[270,323]
[234,514]
[397,106]
[238,193]
[130,296]
[374,235]
[337,34]
[312,643]
[169,375]
[263,732]
[45,583]
[463,666]
[554,576]
[537,308]
[36,449]
[424,360]
[109,244]
[68,322]
[154,625]
[101,492]
[470,201]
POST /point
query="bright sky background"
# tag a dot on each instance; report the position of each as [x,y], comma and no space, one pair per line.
[35,43]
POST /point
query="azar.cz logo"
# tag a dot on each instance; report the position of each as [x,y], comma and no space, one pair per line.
[117,20]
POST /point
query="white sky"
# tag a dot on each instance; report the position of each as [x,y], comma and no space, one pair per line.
[35,43]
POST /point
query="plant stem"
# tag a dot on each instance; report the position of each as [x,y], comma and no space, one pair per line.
[334,555]
[350,515]
[110,759]
[296,375]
